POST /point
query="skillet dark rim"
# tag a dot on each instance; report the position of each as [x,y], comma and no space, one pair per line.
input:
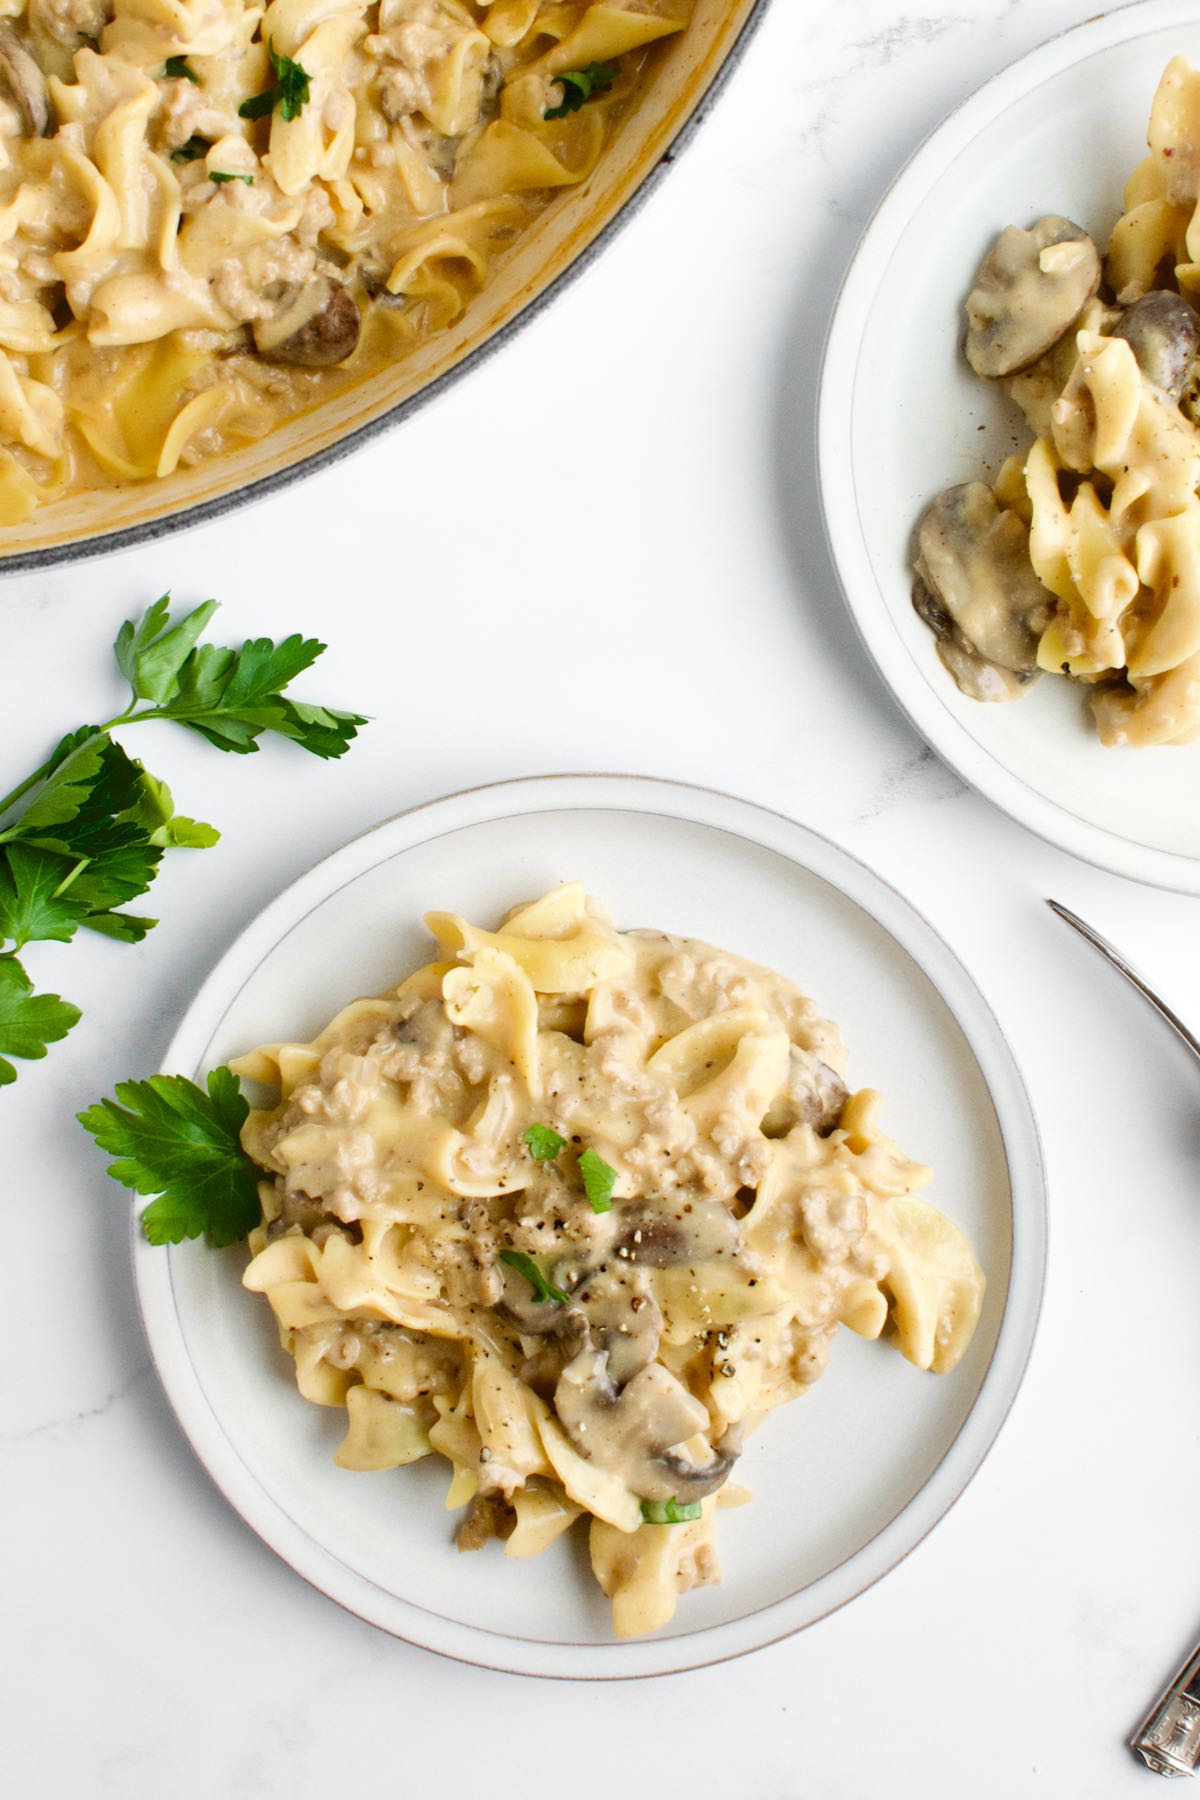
[206,511]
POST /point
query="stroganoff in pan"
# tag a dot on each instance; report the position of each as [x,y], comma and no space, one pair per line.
[211,211]
[576,1208]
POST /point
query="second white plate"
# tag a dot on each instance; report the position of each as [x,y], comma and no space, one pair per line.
[902,416]
[846,1480]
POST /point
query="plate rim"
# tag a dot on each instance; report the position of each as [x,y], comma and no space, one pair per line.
[1016,1121]
[862,591]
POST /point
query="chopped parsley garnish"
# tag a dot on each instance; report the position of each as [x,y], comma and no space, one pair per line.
[669,1512]
[193,150]
[173,1139]
[598,1180]
[219,175]
[290,92]
[543,1142]
[87,830]
[542,1287]
[580,85]
[176,69]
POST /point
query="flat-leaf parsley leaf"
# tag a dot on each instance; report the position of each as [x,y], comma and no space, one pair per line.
[543,1142]
[543,1288]
[28,1021]
[581,85]
[599,1179]
[670,1512]
[192,150]
[181,1143]
[290,92]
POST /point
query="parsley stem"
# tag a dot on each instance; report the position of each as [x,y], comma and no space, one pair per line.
[70,876]
[19,793]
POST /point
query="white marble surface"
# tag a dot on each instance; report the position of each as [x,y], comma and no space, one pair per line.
[664,542]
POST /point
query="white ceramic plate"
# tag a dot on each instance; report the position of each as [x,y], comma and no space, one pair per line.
[902,416]
[846,1480]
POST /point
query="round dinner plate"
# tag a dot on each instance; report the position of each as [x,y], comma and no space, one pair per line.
[901,417]
[846,1480]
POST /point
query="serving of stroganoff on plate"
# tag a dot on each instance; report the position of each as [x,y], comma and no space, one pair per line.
[1083,558]
[575,1208]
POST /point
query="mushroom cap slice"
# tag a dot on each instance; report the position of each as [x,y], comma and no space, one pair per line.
[974,676]
[1163,332]
[628,1431]
[974,562]
[1030,289]
[25,81]
[316,325]
[814,1095]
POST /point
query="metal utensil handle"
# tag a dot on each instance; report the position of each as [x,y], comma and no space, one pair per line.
[1118,961]
[1168,1739]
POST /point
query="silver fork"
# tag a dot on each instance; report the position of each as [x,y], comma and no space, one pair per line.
[1168,1738]
[1118,962]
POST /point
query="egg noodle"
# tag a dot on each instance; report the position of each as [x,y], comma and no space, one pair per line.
[575,1208]
[206,205]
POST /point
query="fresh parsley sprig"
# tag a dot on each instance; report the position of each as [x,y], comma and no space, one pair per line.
[290,92]
[580,85]
[599,1180]
[192,149]
[86,831]
[543,1142]
[181,1143]
[543,1287]
[670,1512]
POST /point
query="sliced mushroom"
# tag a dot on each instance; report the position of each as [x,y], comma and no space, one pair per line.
[1030,289]
[317,324]
[1163,332]
[621,1317]
[977,678]
[664,1234]
[633,1431]
[974,571]
[25,82]
[695,1481]
[815,1095]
